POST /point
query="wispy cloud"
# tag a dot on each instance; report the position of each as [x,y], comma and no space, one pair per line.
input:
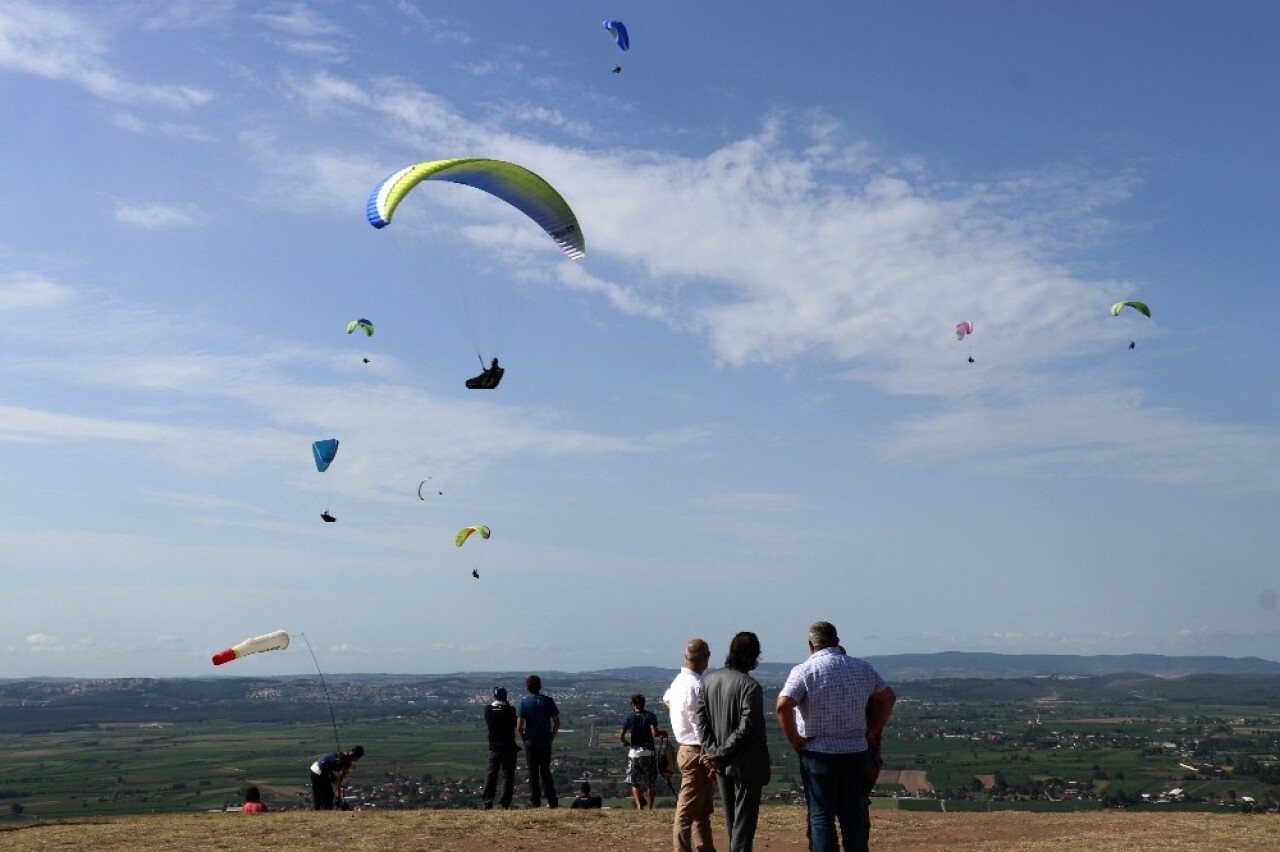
[28,291]
[156,215]
[801,243]
[43,643]
[304,30]
[181,404]
[58,44]
[1092,433]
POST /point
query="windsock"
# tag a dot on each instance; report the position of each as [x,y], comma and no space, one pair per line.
[277,641]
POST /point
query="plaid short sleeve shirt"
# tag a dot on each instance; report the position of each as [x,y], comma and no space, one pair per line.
[830,690]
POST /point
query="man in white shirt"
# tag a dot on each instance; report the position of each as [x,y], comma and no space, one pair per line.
[694,805]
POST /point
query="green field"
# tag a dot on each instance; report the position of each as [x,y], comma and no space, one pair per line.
[166,747]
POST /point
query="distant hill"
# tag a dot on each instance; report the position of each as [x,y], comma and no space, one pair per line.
[902,667]
[949,664]
[893,667]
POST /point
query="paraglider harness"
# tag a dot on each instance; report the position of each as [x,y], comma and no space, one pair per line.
[487,380]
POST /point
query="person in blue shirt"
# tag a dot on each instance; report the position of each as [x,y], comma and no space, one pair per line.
[327,774]
[642,766]
[537,723]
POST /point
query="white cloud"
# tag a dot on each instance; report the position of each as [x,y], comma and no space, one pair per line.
[306,31]
[26,291]
[1108,432]
[58,45]
[798,244]
[155,215]
[42,643]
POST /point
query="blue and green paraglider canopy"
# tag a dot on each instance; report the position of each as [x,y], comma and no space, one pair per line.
[324,451]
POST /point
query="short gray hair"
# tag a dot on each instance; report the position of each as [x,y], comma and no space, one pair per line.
[823,634]
[696,650]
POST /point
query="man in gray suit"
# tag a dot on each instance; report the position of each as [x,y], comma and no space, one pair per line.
[731,727]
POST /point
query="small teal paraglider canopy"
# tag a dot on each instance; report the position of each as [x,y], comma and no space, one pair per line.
[619,33]
[324,451]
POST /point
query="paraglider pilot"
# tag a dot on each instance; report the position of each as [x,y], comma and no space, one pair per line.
[1132,344]
[617,69]
[475,572]
[326,517]
[488,380]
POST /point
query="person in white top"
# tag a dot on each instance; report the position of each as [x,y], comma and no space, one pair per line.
[694,804]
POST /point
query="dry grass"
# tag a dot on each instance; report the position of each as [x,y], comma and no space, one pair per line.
[612,830]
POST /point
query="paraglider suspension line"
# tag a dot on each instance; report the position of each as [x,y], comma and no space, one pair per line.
[333,721]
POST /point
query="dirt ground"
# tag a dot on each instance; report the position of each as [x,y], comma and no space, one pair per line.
[781,828]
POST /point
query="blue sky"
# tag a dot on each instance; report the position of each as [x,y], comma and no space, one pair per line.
[746,409]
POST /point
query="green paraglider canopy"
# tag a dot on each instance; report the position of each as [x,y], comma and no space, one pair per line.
[1140,307]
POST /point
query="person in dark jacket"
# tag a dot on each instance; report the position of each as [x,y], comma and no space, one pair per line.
[500,718]
[327,774]
[734,746]
[585,799]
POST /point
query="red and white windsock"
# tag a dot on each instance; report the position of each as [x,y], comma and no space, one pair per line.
[277,641]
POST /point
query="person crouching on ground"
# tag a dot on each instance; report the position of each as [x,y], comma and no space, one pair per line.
[585,799]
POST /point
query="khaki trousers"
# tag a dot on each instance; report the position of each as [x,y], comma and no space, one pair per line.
[694,804]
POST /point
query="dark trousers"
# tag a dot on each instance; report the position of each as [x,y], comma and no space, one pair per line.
[834,788]
[322,792]
[504,762]
[538,759]
[741,811]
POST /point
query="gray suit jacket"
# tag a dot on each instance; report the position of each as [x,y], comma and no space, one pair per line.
[731,724]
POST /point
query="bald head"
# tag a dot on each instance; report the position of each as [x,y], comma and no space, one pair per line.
[696,655]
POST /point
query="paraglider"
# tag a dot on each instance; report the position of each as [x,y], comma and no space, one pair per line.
[514,184]
[488,379]
[324,452]
[275,641]
[509,182]
[963,330]
[363,325]
[465,533]
[619,32]
[422,484]
[1140,307]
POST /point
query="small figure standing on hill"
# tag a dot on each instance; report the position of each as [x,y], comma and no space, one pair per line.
[327,774]
[537,723]
[642,766]
[500,719]
[253,802]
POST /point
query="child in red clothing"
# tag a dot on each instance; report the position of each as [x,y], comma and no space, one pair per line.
[253,802]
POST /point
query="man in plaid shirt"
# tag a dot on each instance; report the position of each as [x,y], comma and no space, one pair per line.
[832,710]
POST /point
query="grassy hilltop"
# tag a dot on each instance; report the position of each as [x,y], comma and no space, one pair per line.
[583,831]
